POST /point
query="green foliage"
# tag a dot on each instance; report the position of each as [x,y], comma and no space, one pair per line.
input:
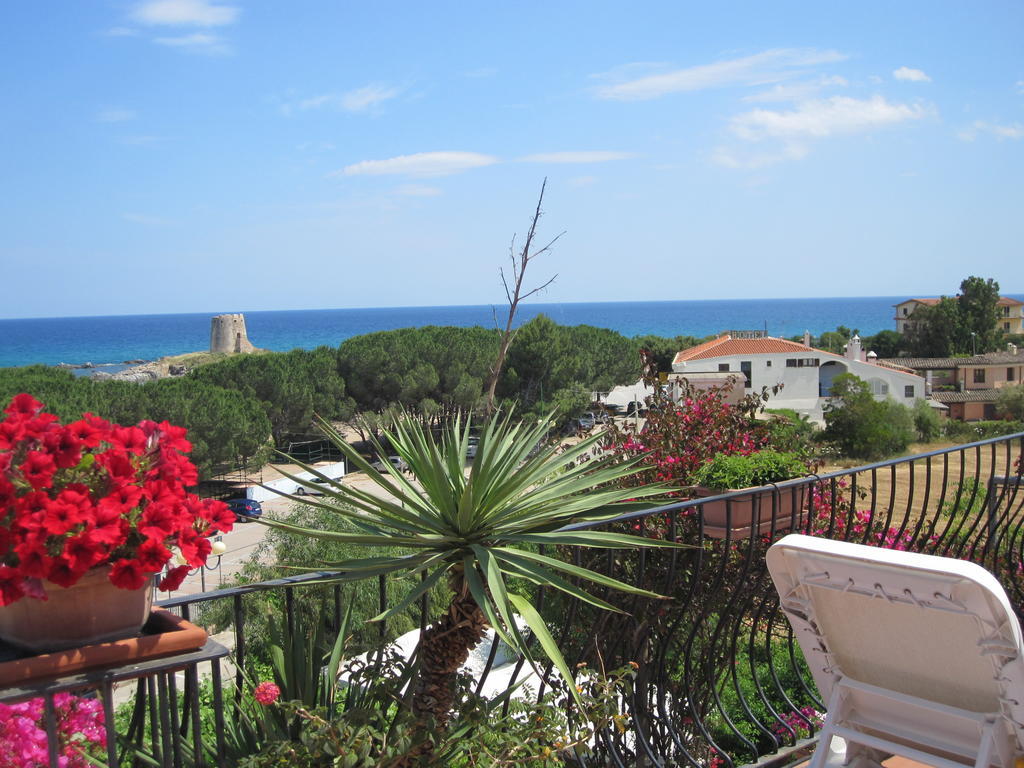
[979,313]
[754,469]
[281,554]
[1010,402]
[793,431]
[926,421]
[375,732]
[663,350]
[935,331]
[862,427]
[289,386]
[966,432]
[476,529]
[964,325]
[885,343]
[966,500]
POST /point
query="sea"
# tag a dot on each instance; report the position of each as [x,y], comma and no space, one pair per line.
[110,341]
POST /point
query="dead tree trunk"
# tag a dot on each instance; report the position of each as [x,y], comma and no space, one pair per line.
[515,294]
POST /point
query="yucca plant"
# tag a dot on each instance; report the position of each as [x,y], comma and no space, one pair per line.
[478,529]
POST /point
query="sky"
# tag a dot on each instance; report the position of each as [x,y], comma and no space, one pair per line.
[164,156]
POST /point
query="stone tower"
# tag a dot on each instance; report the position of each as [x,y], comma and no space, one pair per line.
[227,334]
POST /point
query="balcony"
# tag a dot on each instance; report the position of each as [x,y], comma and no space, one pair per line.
[719,678]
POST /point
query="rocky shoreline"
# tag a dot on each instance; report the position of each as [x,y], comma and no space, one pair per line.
[136,370]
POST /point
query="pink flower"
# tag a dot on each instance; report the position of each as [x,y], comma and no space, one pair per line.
[266,693]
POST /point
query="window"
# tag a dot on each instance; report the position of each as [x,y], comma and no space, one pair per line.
[1006,326]
[979,375]
[908,391]
[767,363]
[906,311]
[723,366]
[802,362]
[745,368]
[1009,374]
[878,387]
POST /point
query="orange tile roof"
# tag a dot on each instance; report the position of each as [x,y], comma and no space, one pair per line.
[726,345]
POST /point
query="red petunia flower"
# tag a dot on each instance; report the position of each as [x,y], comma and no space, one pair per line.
[173,579]
[38,469]
[153,555]
[23,405]
[10,585]
[127,574]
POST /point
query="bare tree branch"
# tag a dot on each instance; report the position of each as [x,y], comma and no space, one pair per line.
[516,294]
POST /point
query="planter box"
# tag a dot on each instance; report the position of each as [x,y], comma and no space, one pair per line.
[752,514]
[164,634]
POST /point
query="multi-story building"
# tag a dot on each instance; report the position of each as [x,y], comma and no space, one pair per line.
[1010,313]
[968,386]
[805,373]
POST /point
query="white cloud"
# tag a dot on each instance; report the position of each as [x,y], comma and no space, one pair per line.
[1020,86]
[825,117]
[417,190]
[357,100]
[1013,131]
[115,115]
[184,13]
[576,157]
[366,97]
[197,42]
[799,91]
[760,69]
[582,181]
[742,159]
[421,164]
[913,75]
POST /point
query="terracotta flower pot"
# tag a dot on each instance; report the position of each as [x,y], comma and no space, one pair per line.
[91,611]
[739,519]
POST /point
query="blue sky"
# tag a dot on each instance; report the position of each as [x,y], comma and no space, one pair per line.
[192,155]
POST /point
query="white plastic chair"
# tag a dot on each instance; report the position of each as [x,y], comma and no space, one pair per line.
[915,655]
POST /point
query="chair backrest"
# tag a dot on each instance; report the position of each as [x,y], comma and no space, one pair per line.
[933,628]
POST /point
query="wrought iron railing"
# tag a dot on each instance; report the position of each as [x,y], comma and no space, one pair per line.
[720,680]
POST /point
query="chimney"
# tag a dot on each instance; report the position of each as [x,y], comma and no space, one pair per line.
[1011,348]
[807,338]
[853,350]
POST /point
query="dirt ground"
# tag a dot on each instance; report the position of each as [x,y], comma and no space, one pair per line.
[926,484]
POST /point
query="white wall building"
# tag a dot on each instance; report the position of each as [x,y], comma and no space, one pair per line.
[806,374]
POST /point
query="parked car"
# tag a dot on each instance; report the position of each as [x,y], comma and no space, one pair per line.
[304,491]
[587,421]
[472,447]
[245,509]
[396,461]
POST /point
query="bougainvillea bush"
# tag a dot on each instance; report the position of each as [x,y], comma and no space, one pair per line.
[91,493]
[81,736]
[681,435]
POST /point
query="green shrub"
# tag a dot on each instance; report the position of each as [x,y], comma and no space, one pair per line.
[759,468]
[862,427]
[926,421]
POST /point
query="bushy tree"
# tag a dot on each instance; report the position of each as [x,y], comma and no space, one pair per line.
[862,427]
[1010,402]
[935,331]
[926,421]
[979,313]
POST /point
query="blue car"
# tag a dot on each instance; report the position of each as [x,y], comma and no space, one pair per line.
[245,509]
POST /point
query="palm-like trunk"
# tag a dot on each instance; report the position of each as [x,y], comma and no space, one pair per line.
[444,648]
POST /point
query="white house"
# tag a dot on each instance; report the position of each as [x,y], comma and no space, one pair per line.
[805,373]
